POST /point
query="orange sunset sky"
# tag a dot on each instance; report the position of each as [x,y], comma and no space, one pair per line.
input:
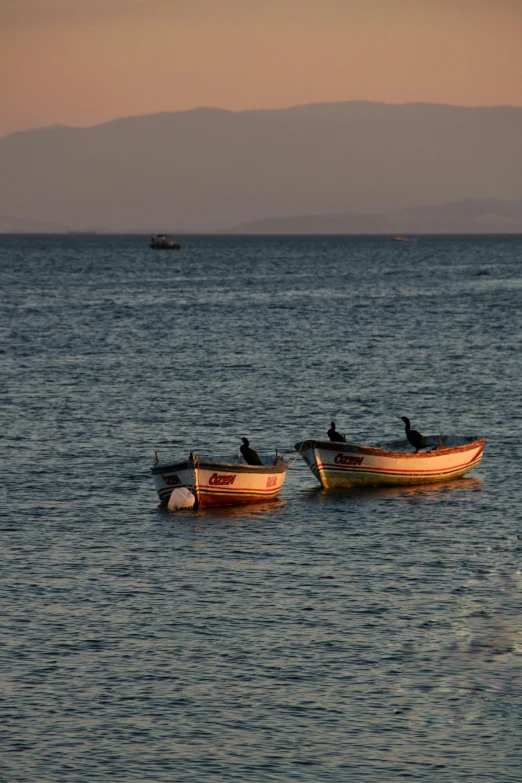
[83,62]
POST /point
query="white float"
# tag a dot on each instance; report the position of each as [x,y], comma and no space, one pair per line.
[181,498]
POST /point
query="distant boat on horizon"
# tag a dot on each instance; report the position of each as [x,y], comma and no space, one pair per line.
[161,242]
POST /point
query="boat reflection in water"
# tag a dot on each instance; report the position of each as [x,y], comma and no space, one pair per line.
[406,492]
[249,512]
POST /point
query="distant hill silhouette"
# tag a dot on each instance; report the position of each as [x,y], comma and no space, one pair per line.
[354,167]
[12,225]
[469,216]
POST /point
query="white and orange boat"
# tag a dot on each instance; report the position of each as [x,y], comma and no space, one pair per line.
[343,465]
[221,481]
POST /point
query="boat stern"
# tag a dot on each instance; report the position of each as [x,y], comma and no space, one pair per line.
[170,476]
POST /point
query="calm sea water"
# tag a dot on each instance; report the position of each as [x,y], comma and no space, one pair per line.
[327,637]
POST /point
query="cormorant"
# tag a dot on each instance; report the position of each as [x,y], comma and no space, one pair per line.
[334,435]
[251,457]
[417,440]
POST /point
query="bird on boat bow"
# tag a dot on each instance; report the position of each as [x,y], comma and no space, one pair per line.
[250,456]
[417,440]
[334,435]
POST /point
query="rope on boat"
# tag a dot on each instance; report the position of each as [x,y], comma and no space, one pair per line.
[298,453]
[192,465]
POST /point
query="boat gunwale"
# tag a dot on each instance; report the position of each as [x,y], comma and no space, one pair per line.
[226,467]
[434,451]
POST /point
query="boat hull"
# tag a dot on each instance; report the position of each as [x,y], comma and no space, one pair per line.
[339,465]
[218,483]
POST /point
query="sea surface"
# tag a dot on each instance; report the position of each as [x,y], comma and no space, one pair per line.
[328,637]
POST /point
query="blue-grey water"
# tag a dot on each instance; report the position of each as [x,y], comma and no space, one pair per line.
[371,636]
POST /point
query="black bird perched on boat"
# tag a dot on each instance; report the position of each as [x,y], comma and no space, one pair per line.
[334,435]
[417,440]
[250,456]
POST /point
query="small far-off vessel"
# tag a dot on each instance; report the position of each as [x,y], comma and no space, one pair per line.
[162,242]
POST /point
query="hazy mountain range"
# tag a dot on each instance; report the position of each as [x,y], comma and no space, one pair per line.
[352,167]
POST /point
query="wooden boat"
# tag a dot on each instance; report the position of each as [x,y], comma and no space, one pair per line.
[160,242]
[351,465]
[399,239]
[220,481]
